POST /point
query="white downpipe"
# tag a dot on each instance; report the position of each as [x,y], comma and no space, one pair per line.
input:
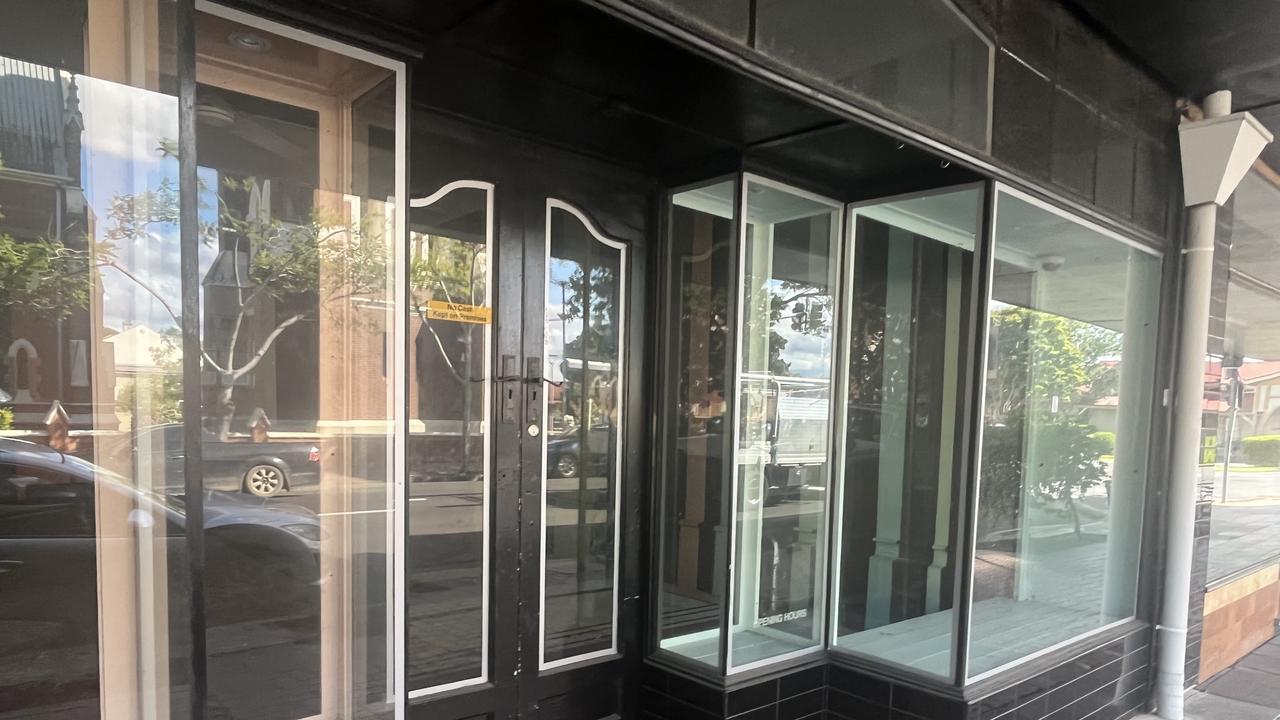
[1197,277]
[1188,404]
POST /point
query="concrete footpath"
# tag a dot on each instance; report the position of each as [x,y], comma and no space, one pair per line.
[1249,690]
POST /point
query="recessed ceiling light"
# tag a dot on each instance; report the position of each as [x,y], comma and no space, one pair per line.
[249,41]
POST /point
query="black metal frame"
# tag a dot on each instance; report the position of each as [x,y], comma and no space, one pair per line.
[192,385]
[971,432]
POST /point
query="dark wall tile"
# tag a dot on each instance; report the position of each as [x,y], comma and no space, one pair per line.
[685,711]
[1027,29]
[802,705]
[731,18]
[983,13]
[803,681]
[926,704]
[752,696]
[1022,113]
[997,704]
[1079,63]
[1157,113]
[1030,710]
[1121,84]
[1075,144]
[769,712]
[938,79]
[855,683]
[851,707]
[1113,179]
[695,693]
[652,701]
[1152,177]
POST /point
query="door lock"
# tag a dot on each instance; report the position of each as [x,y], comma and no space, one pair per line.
[510,389]
[533,393]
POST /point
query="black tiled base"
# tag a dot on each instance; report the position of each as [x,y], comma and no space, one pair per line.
[1108,683]
[800,695]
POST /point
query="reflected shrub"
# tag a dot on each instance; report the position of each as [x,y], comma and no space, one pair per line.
[1261,450]
[1107,437]
[1067,465]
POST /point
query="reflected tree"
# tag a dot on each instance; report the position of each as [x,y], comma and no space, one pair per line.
[40,277]
[1049,371]
[298,267]
[443,268]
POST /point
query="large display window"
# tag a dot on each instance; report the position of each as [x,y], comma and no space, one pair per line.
[1066,408]
[895,409]
[201,214]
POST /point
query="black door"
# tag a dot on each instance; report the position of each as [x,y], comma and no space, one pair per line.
[526,416]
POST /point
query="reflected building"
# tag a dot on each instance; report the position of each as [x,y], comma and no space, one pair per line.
[51,352]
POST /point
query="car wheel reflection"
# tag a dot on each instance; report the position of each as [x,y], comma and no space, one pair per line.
[567,466]
[264,480]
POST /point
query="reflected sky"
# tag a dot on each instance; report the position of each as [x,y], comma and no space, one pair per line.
[124,128]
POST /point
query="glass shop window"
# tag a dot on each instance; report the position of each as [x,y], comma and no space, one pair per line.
[693,538]
[1065,425]
[789,269]
[898,508]
[297,237]
[747,411]
[92,583]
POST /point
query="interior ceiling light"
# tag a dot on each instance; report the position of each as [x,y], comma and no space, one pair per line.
[213,111]
[249,41]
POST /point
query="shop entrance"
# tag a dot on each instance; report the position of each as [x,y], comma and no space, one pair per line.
[525,410]
[543,156]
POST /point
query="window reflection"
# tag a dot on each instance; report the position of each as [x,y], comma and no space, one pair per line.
[584,339]
[789,264]
[698,361]
[1072,324]
[921,58]
[1243,455]
[911,285]
[92,562]
[447,571]
[296,224]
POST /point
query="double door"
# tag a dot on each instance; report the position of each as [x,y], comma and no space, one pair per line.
[525,362]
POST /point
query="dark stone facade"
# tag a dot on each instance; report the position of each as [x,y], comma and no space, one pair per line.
[1068,110]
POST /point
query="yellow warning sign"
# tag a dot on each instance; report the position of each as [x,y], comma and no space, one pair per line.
[458,312]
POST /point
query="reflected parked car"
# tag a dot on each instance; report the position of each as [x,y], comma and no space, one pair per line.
[566,458]
[261,469]
[62,517]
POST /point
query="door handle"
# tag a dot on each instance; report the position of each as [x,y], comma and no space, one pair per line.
[8,566]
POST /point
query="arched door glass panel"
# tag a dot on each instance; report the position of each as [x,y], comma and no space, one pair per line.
[582,442]
[447,552]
